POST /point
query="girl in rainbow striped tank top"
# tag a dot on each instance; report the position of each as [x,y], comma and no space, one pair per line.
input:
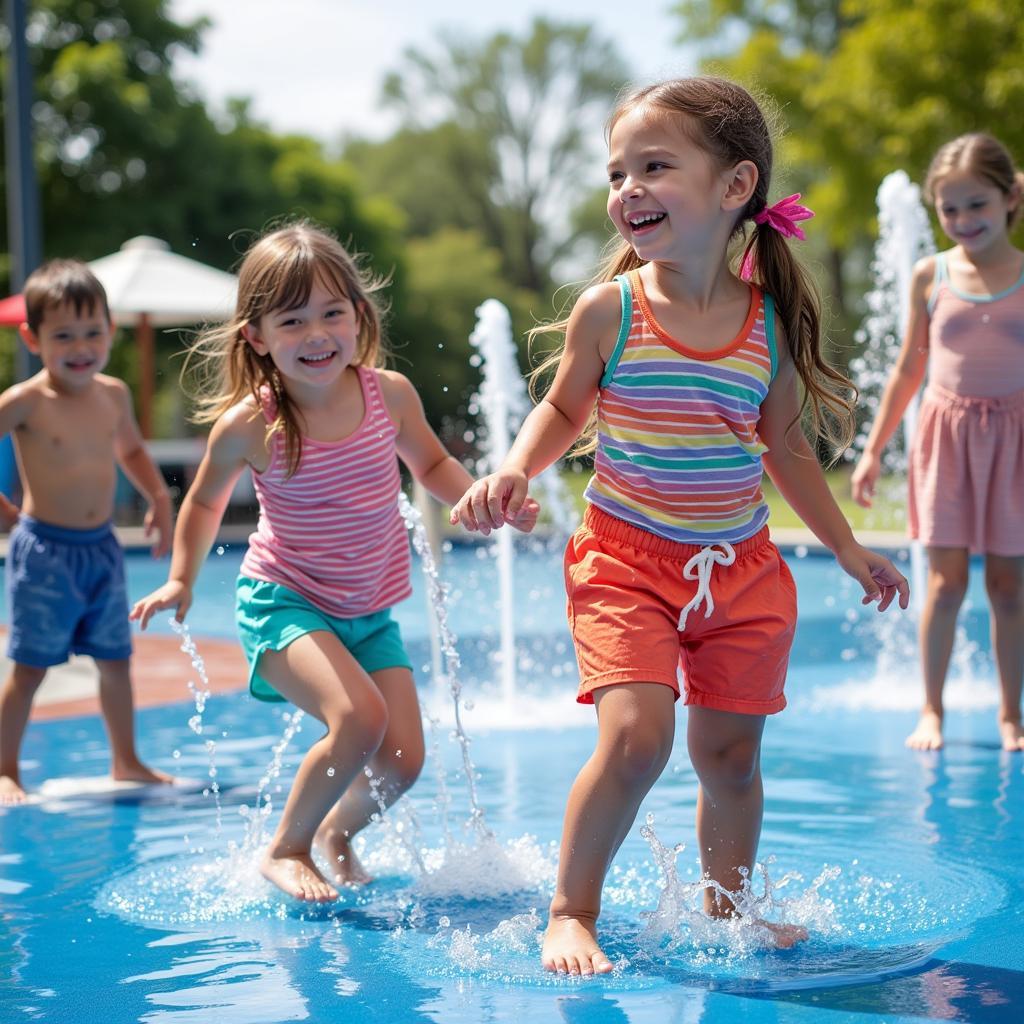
[301,403]
[696,372]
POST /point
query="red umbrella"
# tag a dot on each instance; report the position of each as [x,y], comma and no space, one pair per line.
[12,311]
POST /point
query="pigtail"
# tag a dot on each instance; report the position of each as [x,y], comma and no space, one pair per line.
[1015,213]
[829,396]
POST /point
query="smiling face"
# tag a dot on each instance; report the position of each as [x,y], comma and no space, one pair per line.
[664,192]
[972,211]
[310,344]
[72,343]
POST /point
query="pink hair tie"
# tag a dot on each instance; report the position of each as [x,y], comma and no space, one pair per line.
[783,217]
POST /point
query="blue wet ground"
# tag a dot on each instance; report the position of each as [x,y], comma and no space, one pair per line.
[103,919]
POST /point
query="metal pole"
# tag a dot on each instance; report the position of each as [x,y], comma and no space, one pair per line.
[24,234]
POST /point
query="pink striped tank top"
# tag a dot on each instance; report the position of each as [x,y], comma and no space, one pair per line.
[333,532]
[975,342]
[678,451]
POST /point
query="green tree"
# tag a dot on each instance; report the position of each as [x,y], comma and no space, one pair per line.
[123,148]
[107,108]
[516,125]
[865,87]
[450,273]
[808,24]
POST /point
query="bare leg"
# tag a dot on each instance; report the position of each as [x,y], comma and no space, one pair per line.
[725,748]
[317,674]
[396,764]
[15,707]
[1004,580]
[636,724]
[117,706]
[947,584]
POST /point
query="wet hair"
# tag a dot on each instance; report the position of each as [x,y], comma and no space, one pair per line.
[984,157]
[278,272]
[60,282]
[725,121]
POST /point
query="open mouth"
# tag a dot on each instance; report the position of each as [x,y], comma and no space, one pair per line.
[320,359]
[642,222]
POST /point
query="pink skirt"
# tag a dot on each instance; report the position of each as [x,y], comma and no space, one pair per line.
[966,473]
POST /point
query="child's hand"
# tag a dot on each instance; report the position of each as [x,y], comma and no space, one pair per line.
[493,501]
[158,519]
[9,513]
[173,594]
[881,580]
[526,518]
[864,478]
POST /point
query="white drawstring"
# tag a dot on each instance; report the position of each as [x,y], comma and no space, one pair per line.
[699,568]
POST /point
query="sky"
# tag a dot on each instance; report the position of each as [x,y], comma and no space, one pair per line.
[316,66]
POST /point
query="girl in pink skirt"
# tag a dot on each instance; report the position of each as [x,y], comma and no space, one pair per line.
[966,329]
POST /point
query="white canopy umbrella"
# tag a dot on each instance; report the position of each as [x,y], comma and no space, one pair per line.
[154,287]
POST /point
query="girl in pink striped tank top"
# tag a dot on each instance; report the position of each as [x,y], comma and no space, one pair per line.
[966,465]
[300,402]
[695,364]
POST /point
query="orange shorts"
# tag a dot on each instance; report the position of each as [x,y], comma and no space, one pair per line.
[626,590]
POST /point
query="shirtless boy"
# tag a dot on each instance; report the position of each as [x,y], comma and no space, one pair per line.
[72,425]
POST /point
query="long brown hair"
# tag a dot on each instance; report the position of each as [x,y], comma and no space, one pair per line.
[278,272]
[725,121]
[983,156]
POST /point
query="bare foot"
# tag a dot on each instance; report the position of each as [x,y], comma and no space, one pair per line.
[11,792]
[139,772]
[297,876]
[785,936]
[927,735]
[345,868]
[570,947]
[1012,734]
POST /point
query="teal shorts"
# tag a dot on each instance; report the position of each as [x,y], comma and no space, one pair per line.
[271,616]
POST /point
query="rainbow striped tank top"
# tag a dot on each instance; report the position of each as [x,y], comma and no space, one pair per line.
[678,451]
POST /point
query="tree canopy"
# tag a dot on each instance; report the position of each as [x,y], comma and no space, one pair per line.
[869,86]
[519,119]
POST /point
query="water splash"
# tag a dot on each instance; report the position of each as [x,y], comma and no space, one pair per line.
[256,816]
[904,237]
[200,695]
[679,923]
[439,602]
[503,402]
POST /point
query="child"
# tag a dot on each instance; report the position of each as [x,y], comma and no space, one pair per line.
[72,425]
[301,404]
[966,476]
[697,377]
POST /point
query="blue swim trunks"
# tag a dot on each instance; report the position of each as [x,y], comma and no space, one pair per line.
[270,617]
[66,594]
